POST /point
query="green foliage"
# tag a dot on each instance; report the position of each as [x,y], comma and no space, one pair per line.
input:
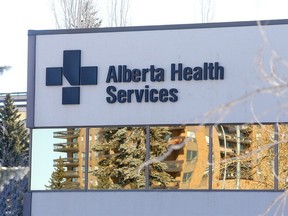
[57,179]
[124,151]
[14,139]
[14,152]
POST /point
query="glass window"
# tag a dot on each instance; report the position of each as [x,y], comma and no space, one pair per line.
[191,156]
[118,154]
[243,157]
[55,162]
[282,157]
[177,157]
[164,168]
[187,177]
[186,152]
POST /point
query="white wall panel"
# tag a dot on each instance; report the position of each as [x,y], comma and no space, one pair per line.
[166,203]
[237,49]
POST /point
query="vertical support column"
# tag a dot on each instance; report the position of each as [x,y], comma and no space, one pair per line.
[210,157]
[31,80]
[30,114]
[147,157]
[27,204]
[87,158]
[238,149]
[225,158]
[276,151]
[30,159]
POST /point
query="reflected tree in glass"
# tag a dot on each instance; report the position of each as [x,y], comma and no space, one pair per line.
[72,147]
[57,179]
[283,157]
[247,157]
[122,151]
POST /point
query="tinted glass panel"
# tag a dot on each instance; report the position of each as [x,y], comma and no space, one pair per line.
[58,158]
[186,157]
[283,157]
[116,157]
[244,157]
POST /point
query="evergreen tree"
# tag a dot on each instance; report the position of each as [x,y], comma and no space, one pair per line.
[14,152]
[57,178]
[124,151]
[16,173]
[158,146]
[14,139]
[12,196]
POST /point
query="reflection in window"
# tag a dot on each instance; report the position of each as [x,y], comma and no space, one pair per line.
[283,157]
[119,152]
[246,157]
[187,177]
[161,174]
[242,158]
[59,167]
[73,142]
[191,158]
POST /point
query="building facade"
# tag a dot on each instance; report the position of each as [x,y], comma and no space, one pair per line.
[95,97]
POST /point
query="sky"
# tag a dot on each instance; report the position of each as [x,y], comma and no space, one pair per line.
[18,16]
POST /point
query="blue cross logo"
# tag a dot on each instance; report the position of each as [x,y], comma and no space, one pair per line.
[75,75]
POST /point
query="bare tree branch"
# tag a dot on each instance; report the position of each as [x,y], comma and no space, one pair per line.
[118,11]
[206,11]
[75,14]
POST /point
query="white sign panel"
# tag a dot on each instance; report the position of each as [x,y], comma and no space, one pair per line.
[175,75]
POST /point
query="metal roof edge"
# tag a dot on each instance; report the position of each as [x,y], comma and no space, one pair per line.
[159,27]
